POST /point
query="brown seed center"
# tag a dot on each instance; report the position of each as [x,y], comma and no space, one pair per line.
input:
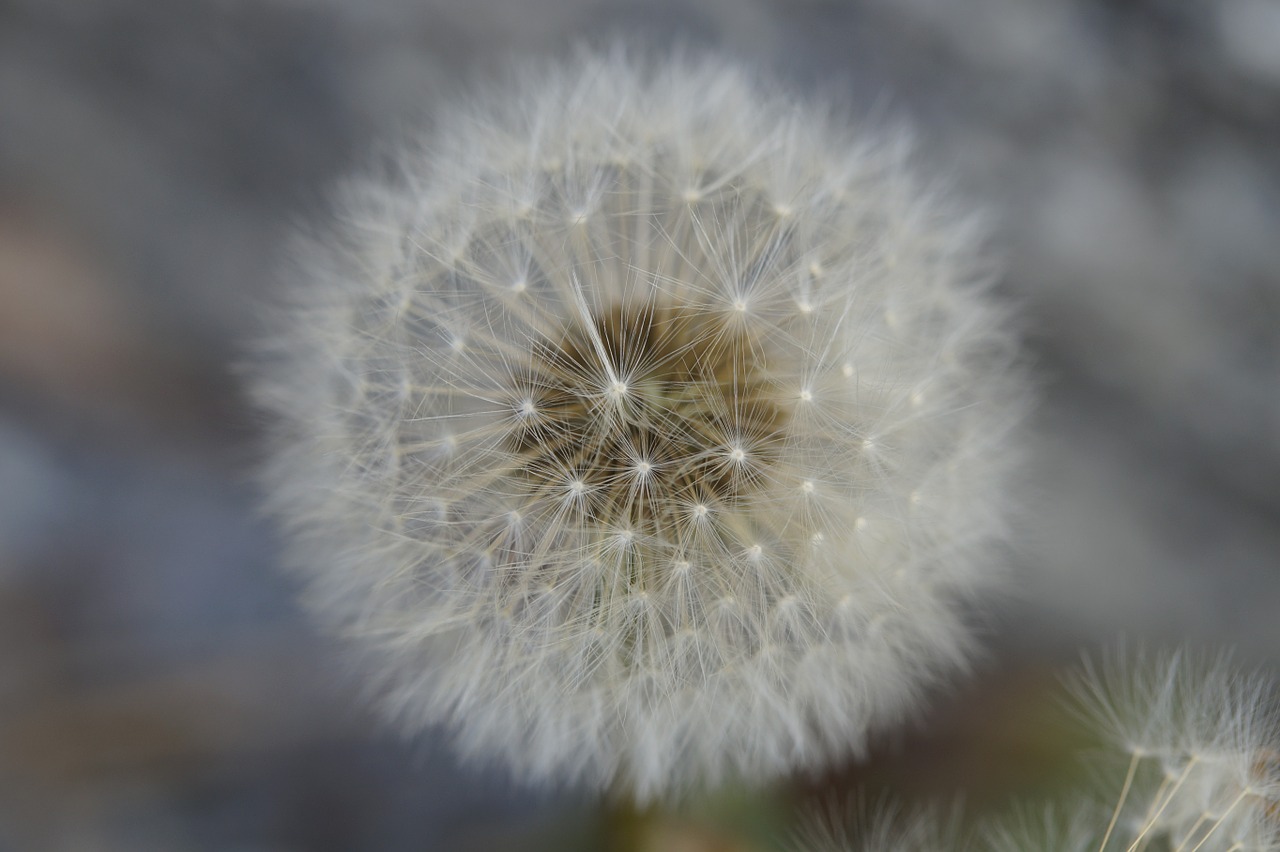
[678,424]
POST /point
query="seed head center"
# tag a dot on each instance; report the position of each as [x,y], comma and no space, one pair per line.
[694,384]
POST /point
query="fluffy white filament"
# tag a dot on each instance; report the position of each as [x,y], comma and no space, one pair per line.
[648,427]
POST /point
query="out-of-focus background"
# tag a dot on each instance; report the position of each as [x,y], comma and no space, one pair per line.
[160,689]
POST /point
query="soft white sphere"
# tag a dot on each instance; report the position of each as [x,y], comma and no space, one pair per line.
[648,427]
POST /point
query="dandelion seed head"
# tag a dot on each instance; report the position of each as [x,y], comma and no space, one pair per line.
[616,368]
[882,825]
[1200,737]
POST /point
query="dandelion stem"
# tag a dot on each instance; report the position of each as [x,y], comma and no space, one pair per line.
[1191,832]
[1221,820]
[1124,794]
[1168,797]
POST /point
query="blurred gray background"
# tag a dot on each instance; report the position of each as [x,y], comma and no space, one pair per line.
[160,690]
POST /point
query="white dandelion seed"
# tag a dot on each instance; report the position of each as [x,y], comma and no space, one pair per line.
[593,428]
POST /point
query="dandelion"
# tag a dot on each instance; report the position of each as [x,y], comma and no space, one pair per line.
[648,428]
[1075,826]
[1201,751]
[885,826]
[1198,768]
[1199,743]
